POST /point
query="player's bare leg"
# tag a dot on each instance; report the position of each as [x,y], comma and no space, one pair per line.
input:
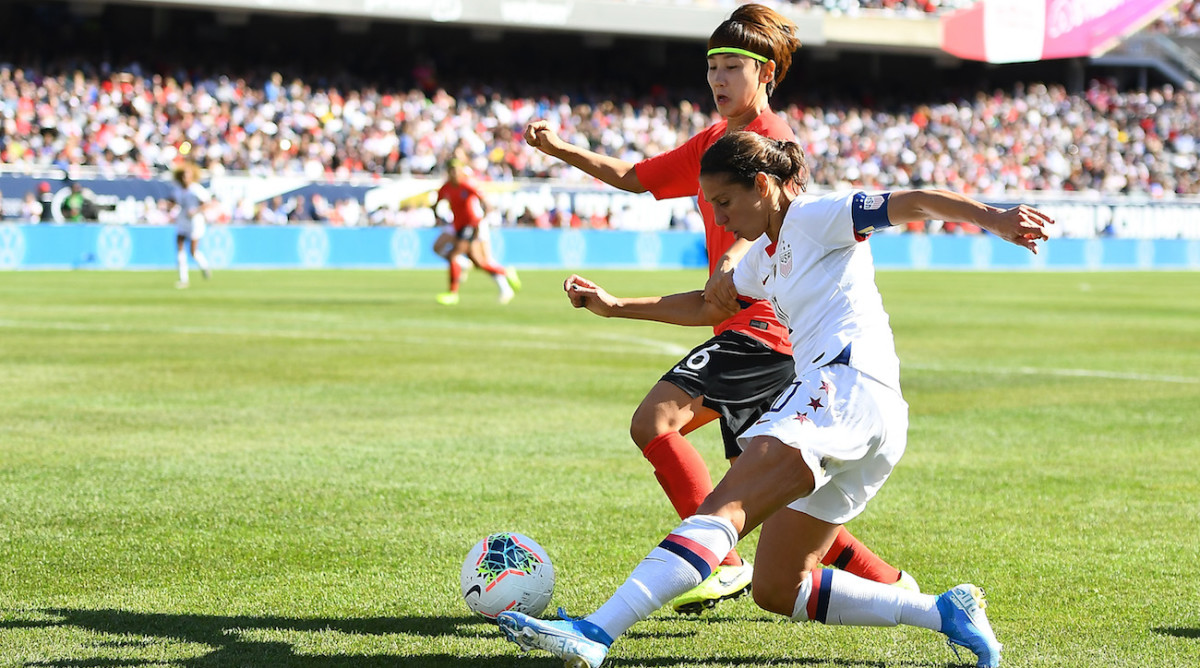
[499,274]
[181,261]
[201,261]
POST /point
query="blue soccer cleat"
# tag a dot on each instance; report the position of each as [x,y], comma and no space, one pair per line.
[578,642]
[965,623]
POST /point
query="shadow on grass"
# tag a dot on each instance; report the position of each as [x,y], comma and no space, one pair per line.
[1178,631]
[232,649]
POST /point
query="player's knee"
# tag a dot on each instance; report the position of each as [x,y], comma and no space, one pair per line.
[646,425]
[772,602]
[641,432]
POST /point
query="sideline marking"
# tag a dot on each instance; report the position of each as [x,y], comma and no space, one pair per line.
[1069,373]
[634,345]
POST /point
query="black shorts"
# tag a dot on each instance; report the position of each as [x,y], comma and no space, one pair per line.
[467,233]
[738,376]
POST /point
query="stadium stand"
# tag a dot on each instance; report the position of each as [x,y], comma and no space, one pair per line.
[257,98]
[1182,19]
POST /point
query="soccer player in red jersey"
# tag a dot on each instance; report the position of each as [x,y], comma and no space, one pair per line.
[735,375]
[468,207]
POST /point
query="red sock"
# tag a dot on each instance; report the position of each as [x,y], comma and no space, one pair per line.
[493,269]
[455,275]
[850,555]
[683,475]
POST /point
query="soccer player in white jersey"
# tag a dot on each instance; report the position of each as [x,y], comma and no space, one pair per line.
[191,200]
[830,440]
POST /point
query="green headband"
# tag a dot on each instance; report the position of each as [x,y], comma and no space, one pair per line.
[739,52]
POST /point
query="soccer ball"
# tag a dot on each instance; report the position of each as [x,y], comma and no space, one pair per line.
[507,571]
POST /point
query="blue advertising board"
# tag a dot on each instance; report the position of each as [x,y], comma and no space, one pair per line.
[86,246]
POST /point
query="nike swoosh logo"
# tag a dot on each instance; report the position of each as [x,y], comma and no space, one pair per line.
[476,589]
[725,582]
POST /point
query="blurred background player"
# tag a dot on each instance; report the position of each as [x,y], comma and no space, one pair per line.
[468,207]
[191,202]
[735,375]
[446,241]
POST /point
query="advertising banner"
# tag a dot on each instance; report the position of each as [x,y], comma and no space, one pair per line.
[139,247]
[1012,31]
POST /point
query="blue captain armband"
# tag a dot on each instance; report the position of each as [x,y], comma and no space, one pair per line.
[869,213]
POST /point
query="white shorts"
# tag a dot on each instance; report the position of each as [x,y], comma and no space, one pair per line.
[191,229]
[487,223]
[851,430]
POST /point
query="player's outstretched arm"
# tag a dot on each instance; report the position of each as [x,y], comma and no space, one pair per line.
[685,308]
[1022,225]
[613,171]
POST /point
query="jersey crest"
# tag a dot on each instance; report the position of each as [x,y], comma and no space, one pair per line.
[785,262]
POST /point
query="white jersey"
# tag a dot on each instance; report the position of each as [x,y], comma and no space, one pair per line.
[189,216]
[821,281]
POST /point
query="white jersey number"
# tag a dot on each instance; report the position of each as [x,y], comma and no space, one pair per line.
[698,360]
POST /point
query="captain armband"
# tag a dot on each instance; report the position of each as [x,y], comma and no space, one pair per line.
[869,213]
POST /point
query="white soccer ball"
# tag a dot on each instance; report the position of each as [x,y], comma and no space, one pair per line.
[507,571]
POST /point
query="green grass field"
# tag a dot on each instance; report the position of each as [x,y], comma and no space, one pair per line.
[287,468]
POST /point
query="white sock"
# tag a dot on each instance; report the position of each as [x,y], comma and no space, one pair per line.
[502,285]
[848,600]
[201,260]
[685,557]
[182,261]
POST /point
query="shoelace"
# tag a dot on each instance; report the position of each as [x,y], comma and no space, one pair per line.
[562,614]
[954,648]
[982,603]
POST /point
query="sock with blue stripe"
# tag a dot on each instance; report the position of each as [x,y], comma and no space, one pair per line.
[835,597]
[681,561]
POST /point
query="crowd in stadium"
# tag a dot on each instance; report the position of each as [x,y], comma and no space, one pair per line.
[1183,19]
[926,6]
[127,120]
[1031,138]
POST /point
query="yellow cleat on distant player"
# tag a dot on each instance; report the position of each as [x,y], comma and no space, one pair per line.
[908,582]
[514,281]
[725,583]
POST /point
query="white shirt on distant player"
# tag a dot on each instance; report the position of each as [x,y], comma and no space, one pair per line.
[821,280]
[189,216]
[191,201]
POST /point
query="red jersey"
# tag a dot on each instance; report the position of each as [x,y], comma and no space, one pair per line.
[464,202]
[676,173]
